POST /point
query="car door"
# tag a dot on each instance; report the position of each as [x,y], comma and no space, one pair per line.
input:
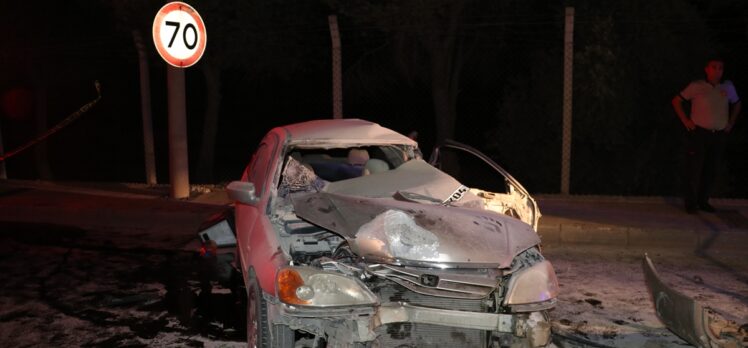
[499,190]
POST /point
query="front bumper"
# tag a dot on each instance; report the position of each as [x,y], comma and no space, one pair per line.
[403,312]
[360,325]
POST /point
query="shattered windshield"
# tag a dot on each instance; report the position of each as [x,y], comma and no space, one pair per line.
[373,171]
[310,167]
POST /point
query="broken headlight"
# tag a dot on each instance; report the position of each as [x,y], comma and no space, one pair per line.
[307,286]
[533,288]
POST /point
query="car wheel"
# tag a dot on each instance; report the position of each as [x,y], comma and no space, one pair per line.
[258,333]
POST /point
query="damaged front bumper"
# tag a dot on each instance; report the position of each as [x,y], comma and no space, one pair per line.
[535,326]
[689,319]
[360,325]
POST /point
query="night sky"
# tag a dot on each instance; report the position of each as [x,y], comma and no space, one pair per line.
[274,67]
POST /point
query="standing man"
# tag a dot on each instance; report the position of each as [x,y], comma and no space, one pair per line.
[715,106]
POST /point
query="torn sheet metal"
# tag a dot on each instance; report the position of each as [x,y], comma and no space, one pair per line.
[219,228]
[221,233]
[420,182]
[461,236]
[690,320]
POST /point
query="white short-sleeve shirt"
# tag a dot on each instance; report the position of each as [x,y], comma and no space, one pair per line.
[710,105]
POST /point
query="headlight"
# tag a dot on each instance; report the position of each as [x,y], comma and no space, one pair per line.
[533,288]
[308,286]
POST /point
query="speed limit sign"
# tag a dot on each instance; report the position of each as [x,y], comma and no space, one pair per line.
[179,34]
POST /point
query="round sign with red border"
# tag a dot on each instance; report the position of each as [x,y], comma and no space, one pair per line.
[179,34]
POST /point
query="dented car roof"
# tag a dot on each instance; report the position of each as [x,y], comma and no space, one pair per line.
[343,131]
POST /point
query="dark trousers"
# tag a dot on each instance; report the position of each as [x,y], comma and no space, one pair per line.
[704,150]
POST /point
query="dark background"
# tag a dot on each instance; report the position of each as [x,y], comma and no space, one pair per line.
[273,64]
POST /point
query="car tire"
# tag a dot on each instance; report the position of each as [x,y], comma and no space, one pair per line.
[258,330]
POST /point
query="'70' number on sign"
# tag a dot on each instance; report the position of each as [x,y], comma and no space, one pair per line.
[189,27]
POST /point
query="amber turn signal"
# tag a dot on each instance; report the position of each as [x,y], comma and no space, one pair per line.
[288,281]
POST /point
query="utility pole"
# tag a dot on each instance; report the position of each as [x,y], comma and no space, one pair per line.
[145,109]
[337,84]
[568,87]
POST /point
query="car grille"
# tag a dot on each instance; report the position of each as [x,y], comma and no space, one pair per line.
[393,292]
[463,283]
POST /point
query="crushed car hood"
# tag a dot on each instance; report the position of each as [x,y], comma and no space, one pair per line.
[401,231]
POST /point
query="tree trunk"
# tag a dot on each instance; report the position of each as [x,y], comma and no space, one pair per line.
[443,96]
[3,172]
[145,109]
[40,115]
[446,65]
[212,74]
[445,76]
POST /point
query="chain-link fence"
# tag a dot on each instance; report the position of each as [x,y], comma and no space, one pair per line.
[626,139]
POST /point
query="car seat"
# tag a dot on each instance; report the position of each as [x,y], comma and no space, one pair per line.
[375,165]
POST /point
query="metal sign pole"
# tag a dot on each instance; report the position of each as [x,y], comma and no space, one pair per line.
[178,163]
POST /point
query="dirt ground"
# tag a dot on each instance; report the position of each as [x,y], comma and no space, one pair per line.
[66,288]
[604,298]
[62,288]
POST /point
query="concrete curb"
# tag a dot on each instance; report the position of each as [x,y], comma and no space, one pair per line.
[634,199]
[635,222]
[632,237]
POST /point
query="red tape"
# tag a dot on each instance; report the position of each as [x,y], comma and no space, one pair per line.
[62,124]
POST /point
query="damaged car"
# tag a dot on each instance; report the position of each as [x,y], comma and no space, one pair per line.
[347,237]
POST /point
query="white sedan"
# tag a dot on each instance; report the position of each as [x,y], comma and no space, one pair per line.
[347,237]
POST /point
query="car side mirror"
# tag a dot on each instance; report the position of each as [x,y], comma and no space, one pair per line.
[242,192]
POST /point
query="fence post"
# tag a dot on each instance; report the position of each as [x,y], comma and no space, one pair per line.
[337,84]
[568,87]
